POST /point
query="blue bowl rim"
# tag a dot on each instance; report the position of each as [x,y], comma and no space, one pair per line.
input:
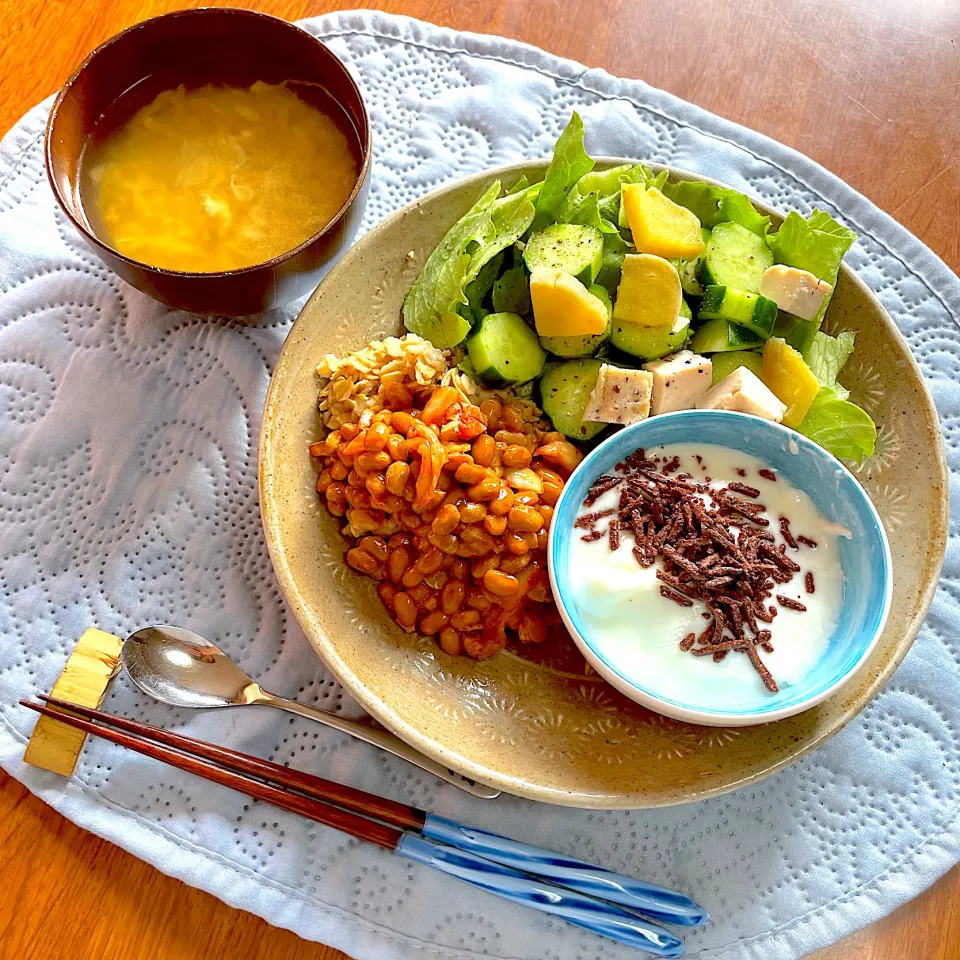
[668,707]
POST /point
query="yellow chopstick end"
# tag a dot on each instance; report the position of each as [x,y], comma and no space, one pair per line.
[96,658]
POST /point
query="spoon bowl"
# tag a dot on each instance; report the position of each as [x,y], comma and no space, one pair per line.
[181,668]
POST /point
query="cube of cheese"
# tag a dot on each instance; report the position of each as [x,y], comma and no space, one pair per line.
[679,381]
[743,391]
[794,291]
[619,396]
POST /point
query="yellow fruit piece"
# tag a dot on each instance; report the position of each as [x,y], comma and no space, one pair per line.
[659,225]
[53,745]
[649,294]
[787,375]
[563,306]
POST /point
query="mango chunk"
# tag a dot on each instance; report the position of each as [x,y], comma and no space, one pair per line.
[659,225]
[649,294]
[789,377]
[563,306]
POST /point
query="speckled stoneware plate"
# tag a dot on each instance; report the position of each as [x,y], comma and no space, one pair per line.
[545,729]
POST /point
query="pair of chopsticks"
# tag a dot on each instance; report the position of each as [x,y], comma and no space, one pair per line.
[588,896]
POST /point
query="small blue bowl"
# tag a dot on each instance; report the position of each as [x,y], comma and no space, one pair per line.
[864,557]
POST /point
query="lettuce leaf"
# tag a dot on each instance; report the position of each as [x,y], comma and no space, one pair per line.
[839,426]
[797,332]
[481,284]
[430,308]
[615,248]
[816,243]
[827,356]
[511,292]
[584,208]
[522,183]
[713,205]
[570,162]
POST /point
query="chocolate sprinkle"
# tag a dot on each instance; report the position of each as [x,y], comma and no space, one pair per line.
[786,534]
[790,603]
[747,491]
[712,548]
[677,598]
[768,475]
[808,582]
[614,533]
[589,520]
[761,668]
[600,486]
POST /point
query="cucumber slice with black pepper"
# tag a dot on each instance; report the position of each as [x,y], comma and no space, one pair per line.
[749,310]
[574,248]
[719,336]
[735,257]
[650,343]
[505,350]
[564,393]
[585,346]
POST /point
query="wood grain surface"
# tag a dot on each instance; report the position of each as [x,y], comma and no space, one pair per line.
[868,88]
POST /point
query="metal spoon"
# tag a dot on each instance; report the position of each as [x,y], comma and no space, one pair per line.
[180,667]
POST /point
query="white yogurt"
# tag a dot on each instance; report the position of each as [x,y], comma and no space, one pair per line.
[639,631]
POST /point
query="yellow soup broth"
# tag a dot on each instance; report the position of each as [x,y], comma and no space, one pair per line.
[217,178]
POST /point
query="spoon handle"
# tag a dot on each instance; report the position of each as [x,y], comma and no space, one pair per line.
[379,738]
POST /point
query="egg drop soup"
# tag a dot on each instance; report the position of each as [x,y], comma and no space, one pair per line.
[216,178]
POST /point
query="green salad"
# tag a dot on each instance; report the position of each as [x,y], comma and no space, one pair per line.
[621,294]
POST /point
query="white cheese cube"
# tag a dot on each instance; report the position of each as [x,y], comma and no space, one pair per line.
[679,381]
[794,291]
[619,396]
[744,392]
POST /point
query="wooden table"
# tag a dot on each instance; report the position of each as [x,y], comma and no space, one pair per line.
[869,88]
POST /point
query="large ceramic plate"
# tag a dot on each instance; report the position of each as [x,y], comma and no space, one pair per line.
[547,730]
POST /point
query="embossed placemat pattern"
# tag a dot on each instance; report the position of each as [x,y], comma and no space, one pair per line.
[129,495]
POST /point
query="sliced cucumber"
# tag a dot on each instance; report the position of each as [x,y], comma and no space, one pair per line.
[690,268]
[581,346]
[749,310]
[650,343]
[511,292]
[565,391]
[719,336]
[735,257]
[574,248]
[505,350]
[726,363]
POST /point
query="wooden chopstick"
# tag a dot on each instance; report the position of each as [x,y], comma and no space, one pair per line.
[367,804]
[545,881]
[317,810]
